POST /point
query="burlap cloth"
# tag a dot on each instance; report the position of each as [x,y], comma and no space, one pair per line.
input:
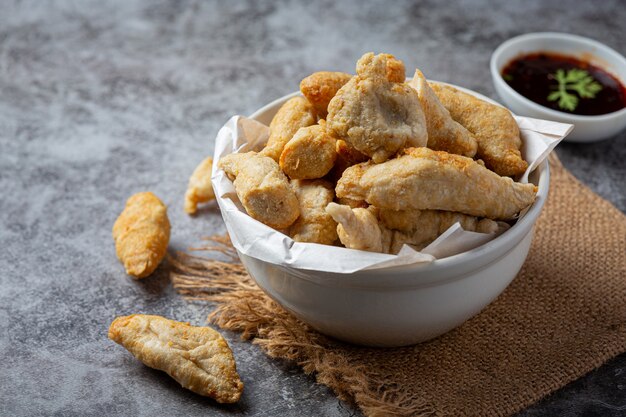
[563,316]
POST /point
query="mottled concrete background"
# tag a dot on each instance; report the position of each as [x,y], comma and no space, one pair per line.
[99,100]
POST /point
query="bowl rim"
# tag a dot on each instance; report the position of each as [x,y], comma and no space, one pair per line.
[574,39]
[468,261]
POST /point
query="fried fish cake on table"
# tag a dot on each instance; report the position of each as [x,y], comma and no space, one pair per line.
[314,225]
[494,128]
[444,134]
[198,358]
[310,154]
[141,234]
[200,189]
[424,179]
[297,112]
[374,115]
[262,188]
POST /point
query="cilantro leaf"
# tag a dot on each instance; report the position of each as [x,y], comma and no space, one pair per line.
[577,80]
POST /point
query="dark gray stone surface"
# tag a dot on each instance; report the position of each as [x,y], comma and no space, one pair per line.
[100,100]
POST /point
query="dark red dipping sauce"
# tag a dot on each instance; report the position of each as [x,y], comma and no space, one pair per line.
[533,76]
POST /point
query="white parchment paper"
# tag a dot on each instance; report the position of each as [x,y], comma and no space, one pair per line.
[257,240]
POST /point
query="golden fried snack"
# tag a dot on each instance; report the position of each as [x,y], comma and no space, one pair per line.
[309,154]
[360,229]
[394,69]
[493,127]
[424,226]
[262,188]
[200,189]
[444,134]
[357,228]
[352,203]
[374,115]
[424,179]
[141,234]
[320,87]
[346,157]
[314,225]
[297,112]
[198,358]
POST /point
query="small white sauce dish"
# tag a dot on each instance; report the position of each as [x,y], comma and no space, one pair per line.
[586,128]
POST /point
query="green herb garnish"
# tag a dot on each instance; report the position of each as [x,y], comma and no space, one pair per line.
[576,80]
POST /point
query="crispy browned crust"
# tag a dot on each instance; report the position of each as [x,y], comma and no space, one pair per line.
[262,188]
[310,154]
[200,189]
[444,134]
[374,115]
[494,127]
[198,358]
[297,112]
[320,87]
[424,179]
[314,225]
[141,234]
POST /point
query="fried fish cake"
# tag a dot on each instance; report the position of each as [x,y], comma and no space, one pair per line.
[424,179]
[262,188]
[297,112]
[198,358]
[310,154]
[141,234]
[374,115]
[386,231]
[200,189]
[444,134]
[314,225]
[494,128]
[426,225]
[357,228]
[320,87]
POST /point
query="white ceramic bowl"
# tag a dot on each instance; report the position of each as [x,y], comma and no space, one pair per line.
[586,128]
[402,305]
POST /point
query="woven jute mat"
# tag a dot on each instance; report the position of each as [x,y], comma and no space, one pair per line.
[562,316]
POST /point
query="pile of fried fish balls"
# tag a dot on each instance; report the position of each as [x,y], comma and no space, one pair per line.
[371,162]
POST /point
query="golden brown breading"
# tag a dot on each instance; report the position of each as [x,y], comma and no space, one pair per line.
[394,69]
[346,157]
[494,128]
[200,189]
[444,134]
[198,358]
[314,225]
[309,154]
[141,234]
[352,203]
[425,179]
[357,228]
[320,87]
[297,112]
[360,229]
[262,188]
[374,115]
[386,231]
[426,225]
